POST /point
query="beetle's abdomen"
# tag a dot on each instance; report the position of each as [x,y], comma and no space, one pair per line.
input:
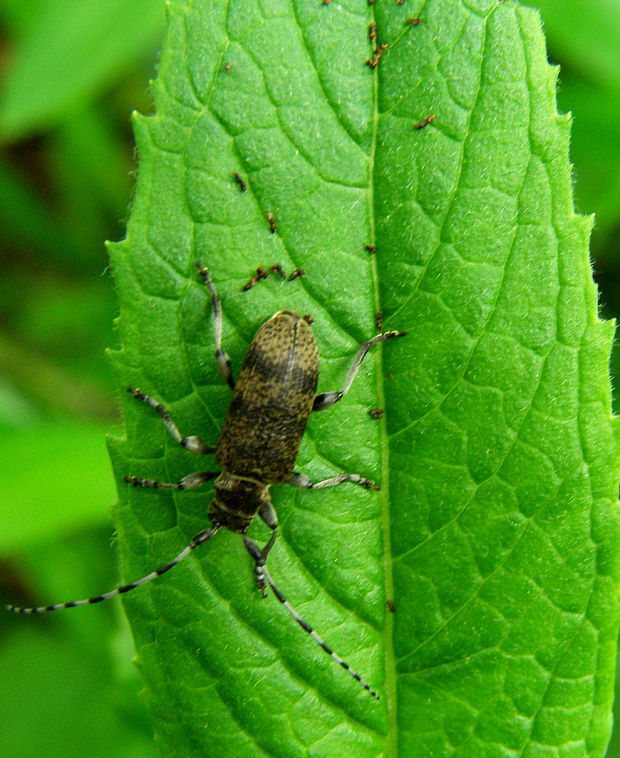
[271,401]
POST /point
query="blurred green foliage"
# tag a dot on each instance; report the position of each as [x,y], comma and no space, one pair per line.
[582,36]
[71,73]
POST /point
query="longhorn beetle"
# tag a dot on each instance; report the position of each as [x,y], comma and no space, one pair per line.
[271,401]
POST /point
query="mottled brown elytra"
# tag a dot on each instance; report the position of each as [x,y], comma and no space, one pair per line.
[271,402]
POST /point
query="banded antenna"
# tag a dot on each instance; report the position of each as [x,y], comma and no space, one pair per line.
[202,537]
[262,576]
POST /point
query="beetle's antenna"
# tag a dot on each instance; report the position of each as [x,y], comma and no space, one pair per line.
[263,574]
[202,537]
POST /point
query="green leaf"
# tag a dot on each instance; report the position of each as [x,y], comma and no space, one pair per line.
[596,153]
[18,16]
[88,152]
[495,532]
[24,217]
[34,671]
[586,32]
[62,688]
[73,50]
[59,480]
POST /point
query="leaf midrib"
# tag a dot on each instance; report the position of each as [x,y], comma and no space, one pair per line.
[389,690]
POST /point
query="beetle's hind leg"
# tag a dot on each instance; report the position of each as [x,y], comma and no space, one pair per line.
[298,479]
[195,444]
[327,399]
[221,356]
[189,482]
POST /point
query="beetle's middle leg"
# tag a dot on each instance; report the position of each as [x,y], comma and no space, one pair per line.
[221,356]
[189,482]
[298,479]
[327,399]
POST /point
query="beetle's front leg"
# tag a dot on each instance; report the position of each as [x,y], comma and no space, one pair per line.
[221,356]
[195,444]
[301,480]
[327,399]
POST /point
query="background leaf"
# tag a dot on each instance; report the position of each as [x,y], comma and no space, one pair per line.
[55,73]
[74,658]
[600,35]
[495,532]
[590,90]
[61,194]
[71,491]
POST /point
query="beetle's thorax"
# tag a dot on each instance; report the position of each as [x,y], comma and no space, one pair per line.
[236,500]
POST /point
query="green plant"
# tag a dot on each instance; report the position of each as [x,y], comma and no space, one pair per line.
[495,534]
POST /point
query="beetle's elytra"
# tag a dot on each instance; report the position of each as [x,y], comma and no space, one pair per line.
[272,399]
[266,419]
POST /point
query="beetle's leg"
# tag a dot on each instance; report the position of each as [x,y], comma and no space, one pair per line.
[221,356]
[195,444]
[268,514]
[298,479]
[257,555]
[189,482]
[327,399]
